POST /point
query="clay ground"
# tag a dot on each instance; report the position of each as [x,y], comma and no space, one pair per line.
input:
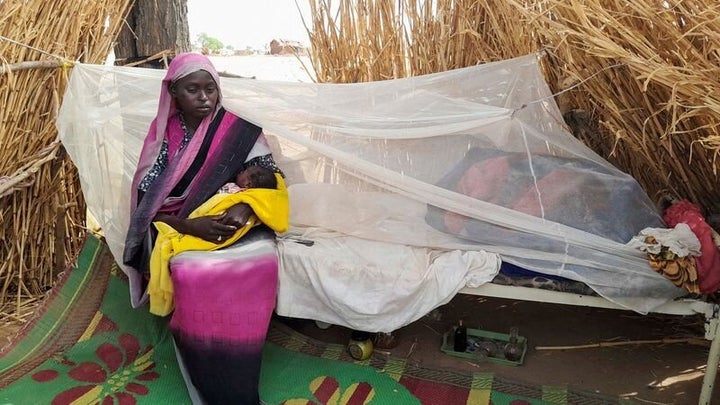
[648,373]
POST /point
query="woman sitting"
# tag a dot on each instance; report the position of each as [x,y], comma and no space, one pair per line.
[223,299]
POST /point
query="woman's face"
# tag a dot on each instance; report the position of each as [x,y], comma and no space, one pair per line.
[196,95]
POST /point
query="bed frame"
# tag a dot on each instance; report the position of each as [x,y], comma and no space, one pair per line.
[710,311]
[678,307]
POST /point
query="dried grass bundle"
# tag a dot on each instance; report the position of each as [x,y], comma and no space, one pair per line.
[444,35]
[639,79]
[42,211]
[362,42]
[658,111]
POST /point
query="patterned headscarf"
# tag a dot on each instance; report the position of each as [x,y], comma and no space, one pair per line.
[181,66]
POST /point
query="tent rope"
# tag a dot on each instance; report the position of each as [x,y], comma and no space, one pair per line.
[578,84]
[65,60]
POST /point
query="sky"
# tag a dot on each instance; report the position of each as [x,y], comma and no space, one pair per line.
[253,23]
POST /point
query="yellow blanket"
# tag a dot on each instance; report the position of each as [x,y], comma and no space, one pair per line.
[271,207]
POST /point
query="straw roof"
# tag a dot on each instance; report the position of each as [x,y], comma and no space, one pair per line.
[638,80]
[42,212]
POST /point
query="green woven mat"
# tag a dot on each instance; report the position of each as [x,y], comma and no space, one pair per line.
[86,346]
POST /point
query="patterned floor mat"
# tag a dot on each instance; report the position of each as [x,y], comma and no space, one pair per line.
[85,345]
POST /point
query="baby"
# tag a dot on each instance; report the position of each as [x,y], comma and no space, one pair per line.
[252,177]
[255,186]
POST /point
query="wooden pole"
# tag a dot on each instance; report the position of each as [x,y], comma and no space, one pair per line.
[35,64]
[692,341]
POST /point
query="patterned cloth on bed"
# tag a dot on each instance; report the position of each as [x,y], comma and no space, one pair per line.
[502,178]
[571,192]
[517,276]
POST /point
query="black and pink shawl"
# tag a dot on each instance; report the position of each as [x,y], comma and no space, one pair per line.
[223,299]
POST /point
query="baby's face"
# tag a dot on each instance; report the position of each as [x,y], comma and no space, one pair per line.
[243,179]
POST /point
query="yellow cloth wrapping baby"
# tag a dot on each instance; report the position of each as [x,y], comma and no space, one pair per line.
[271,207]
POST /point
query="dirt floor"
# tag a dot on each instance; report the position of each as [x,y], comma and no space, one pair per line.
[649,373]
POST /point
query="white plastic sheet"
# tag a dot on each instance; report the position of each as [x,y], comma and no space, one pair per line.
[480,154]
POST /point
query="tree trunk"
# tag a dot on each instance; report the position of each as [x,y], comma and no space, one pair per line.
[155,29]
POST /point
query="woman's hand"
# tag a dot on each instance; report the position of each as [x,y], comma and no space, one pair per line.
[237,215]
[212,228]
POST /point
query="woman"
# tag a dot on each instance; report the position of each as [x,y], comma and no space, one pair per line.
[223,299]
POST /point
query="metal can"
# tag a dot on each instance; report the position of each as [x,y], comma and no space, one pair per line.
[360,346]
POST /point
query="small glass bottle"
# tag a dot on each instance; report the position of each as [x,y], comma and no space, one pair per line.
[513,350]
[460,337]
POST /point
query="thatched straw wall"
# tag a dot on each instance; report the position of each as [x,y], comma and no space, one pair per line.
[42,213]
[642,77]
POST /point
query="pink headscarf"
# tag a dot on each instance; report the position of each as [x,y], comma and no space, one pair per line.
[181,66]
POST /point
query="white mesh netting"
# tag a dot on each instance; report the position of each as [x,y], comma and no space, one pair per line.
[470,159]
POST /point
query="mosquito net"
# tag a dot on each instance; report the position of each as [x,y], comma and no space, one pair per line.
[471,159]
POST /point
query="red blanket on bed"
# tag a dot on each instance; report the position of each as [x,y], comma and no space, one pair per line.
[708,264]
